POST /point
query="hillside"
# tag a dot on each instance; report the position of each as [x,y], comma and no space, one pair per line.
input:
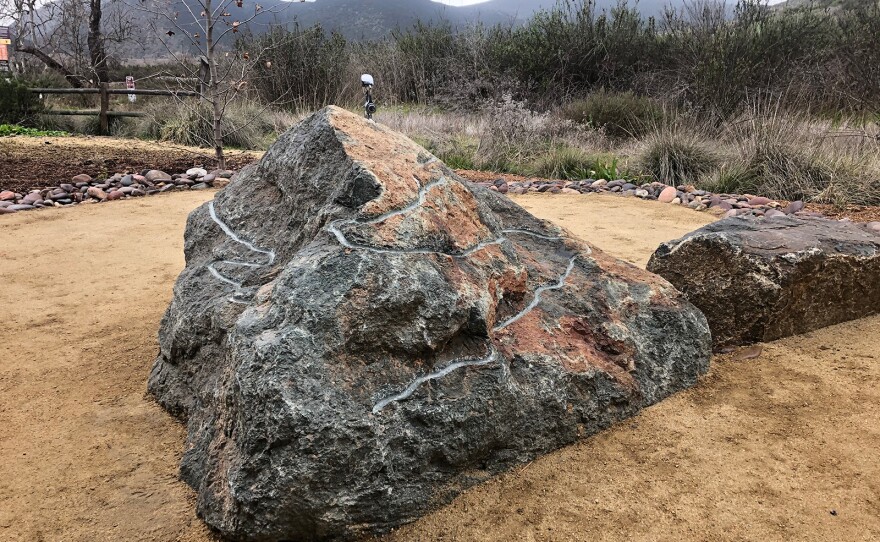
[354,19]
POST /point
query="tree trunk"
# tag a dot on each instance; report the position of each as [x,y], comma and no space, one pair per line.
[214,88]
[96,43]
[72,78]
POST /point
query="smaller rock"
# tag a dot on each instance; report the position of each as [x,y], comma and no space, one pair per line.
[96,193]
[157,175]
[641,193]
[875,226]
[770,213]
[81,178]
[760,200]
[794,207]
[7,211]
[202,186]
[196,172]
[209,178]
[7,195]
[32,198]
[127,180]
[114,195]
[21,207]
[570,191]
[598,183]
[675,201]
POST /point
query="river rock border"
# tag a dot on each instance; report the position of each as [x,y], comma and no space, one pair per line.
[84,189]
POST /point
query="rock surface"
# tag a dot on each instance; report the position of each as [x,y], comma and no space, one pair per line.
[359,335]
[763,279]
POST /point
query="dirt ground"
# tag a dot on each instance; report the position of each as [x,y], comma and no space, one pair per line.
[782,447]
[27,162]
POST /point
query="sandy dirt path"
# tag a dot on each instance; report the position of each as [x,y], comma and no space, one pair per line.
[760,449]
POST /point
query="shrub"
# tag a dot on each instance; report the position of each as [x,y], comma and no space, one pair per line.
[676,157]
[244,125]
[14,129]
[563,163]
[620,114]
[17,104]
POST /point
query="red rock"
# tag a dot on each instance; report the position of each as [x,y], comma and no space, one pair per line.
[96,193]
[667,195]
[7,195]
[81,178]
[760,200]
[114,195]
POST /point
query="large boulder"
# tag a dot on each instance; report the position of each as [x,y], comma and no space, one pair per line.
[762,279]
[359,335]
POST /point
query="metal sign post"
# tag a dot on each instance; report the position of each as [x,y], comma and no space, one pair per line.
[129,84]
[5,42]
[369,106]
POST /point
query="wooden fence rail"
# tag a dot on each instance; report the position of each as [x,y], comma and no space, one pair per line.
[105,91]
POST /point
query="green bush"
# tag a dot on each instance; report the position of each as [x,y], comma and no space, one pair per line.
[17,104]
[675,157]
[620,114]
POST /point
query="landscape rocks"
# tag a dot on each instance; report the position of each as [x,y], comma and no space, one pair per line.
[84,189]
[687,195]
[763,279]
[359,335]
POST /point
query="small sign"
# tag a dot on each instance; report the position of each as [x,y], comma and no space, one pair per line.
[129,84]
[5,41]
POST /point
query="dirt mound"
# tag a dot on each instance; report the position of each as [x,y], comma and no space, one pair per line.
[35,162]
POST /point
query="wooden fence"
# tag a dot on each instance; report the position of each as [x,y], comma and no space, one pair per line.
[104,90]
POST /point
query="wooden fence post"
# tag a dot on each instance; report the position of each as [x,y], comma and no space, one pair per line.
[105,105]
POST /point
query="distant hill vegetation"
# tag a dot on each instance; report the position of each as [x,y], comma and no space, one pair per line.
[363,20]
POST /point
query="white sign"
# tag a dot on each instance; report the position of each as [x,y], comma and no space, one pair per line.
[129,84]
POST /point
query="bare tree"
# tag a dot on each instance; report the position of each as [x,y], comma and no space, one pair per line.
[70,37]
[210,26]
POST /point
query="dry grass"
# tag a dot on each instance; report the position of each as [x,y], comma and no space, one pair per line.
[765,150]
